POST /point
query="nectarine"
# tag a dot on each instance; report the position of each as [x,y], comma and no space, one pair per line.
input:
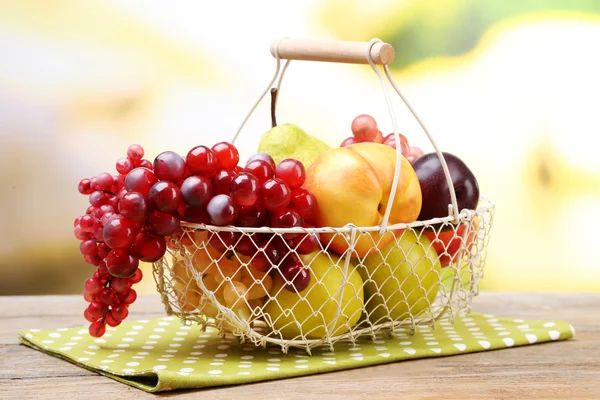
[352,185]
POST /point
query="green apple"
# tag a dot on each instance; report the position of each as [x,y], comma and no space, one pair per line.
[289,141]
[401,280]
[312,312]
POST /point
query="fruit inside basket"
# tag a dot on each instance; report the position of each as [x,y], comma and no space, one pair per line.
[300,245]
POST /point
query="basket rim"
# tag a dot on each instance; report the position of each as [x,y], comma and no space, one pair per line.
[464,215]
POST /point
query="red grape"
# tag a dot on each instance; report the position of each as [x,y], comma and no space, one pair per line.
[135,152]
[97,198]
[266,258]
[169,166]
[80,233]
[111,321]
[107,208]
[85,186]
[364,128]
[134,206]
[104,219]
[97,329]
[197,191]
[97,309]
[119,232]
[94,260]
[297,277]
[226,154]
[128,297]
[221,210]
[99,232]
[137,277]
[86,313]
[251,216]
[104,181]
[119,312]
[244,189]
[201,160]
[164,196]
[390,140]
[291,172]
[121,264]
[197,215]
[262,156]
[107,296]
[221,241]
[119,182]
[286,219]
[111,200]
[88,248]
[103,250]
[148,247]
[221,181]
[102,271]
[140,180]
[261,169]
[305,204]
[348,141]
[164,224]
[305,243]
[247,244]
[378,138]
[122,192]
[275,194]
[120,285]
[414,153]
[124,165]
[146,164]
[91,210]
[93,286]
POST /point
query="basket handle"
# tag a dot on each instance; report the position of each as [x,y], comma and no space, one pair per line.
[332,51]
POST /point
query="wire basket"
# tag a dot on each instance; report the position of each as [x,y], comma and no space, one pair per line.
[412,273]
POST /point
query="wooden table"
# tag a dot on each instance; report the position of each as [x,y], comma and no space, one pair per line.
[569,369]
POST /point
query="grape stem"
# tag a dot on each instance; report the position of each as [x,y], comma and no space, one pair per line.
[273,106]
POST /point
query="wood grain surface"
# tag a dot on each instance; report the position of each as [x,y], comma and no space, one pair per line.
[560,370]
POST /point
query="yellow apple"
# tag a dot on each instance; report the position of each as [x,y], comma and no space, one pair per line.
[402,280]
[312,313]
[352,185]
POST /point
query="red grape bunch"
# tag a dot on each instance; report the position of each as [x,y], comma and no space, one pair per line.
[114,238]
[131,213]
[364,129]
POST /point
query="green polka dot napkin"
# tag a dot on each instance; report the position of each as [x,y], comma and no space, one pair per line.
[162,354]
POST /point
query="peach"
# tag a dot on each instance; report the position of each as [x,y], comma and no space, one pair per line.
[352,185]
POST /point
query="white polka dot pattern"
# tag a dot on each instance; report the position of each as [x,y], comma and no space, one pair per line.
[173,356]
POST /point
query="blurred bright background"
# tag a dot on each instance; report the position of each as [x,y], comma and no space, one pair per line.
[510,87]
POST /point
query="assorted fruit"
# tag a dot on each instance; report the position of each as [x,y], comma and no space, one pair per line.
[301,282]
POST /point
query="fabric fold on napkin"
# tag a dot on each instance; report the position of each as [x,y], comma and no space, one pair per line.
[162,354]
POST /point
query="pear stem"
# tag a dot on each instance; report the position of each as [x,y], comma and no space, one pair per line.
[273,106]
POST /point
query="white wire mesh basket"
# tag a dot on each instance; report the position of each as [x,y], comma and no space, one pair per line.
[413,273]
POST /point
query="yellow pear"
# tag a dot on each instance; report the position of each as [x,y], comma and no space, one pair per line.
[312,313]
[402,280]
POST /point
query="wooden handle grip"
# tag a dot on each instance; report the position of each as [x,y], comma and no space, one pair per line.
[332,51]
